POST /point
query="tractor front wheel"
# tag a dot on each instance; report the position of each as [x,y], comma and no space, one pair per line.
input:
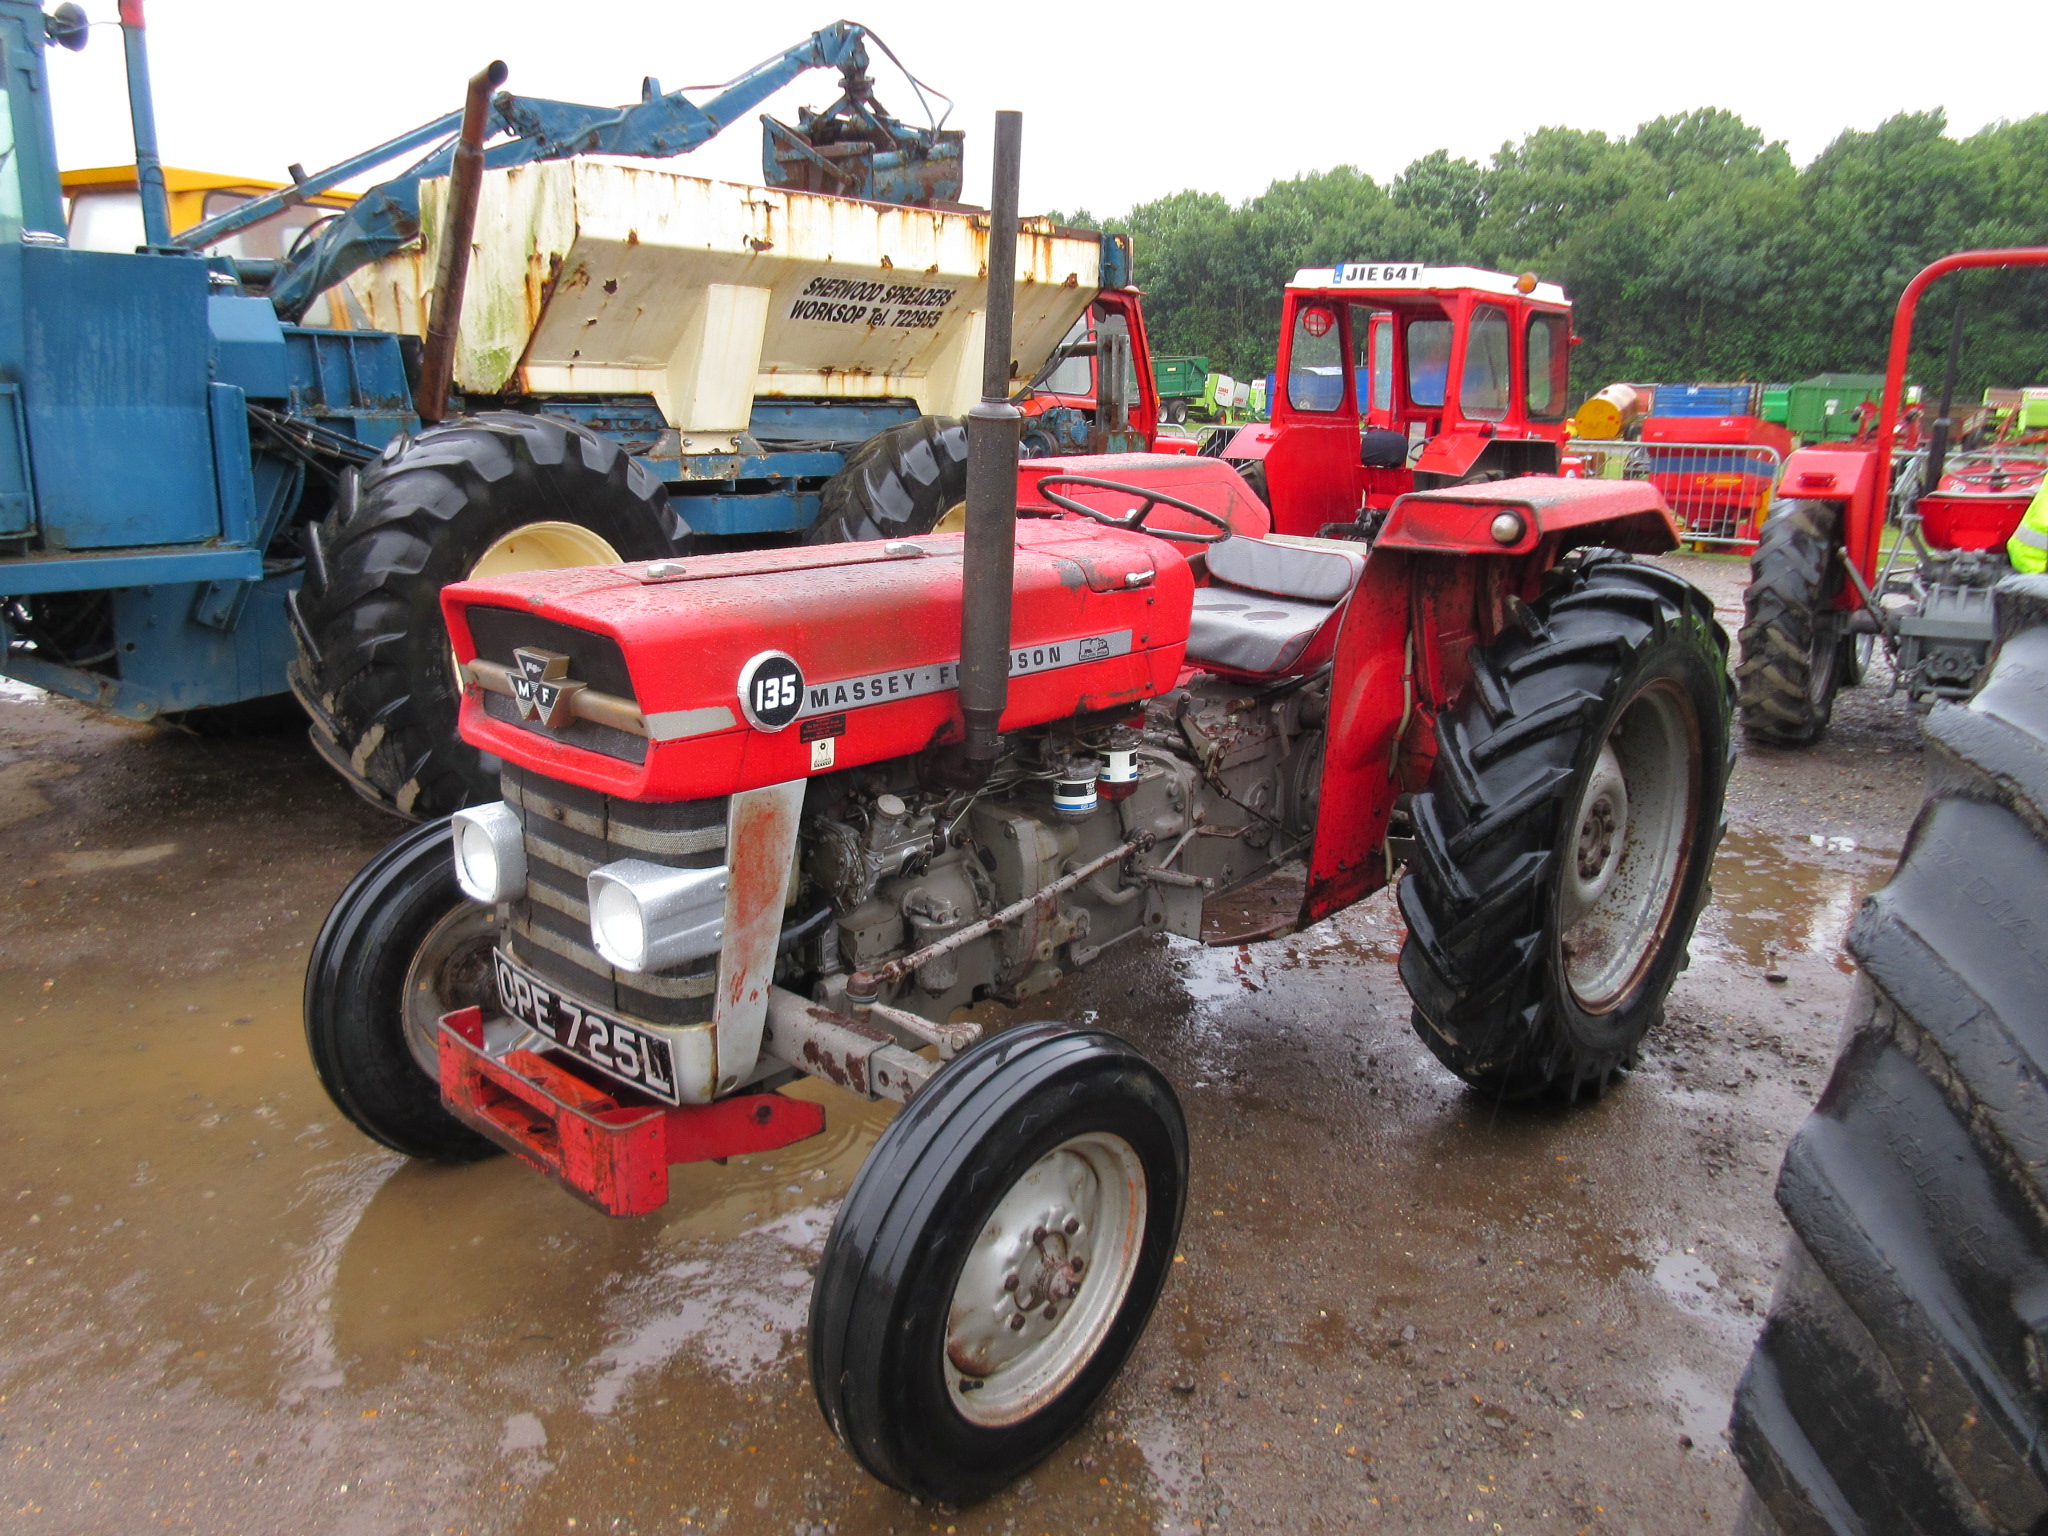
[486,495]
[902,482]
[402,947]
[1563,844]
[997,1259]
[1795,655]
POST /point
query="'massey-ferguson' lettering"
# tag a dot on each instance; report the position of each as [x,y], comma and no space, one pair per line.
[944,676]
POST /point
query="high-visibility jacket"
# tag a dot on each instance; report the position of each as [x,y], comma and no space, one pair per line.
[2028,546]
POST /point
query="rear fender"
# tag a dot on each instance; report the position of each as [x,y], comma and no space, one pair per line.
[1451,456]
[1848,477]
[1555,515]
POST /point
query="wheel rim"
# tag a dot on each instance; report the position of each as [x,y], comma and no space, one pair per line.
[1064,1239]
[451,969]
[1628,846]
[954,520]
[543,547]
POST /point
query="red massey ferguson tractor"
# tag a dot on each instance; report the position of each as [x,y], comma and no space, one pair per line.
[1396,377]
[785,814]
[1823,589]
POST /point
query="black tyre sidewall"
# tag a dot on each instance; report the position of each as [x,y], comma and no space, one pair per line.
[1615,1031]
[354,1002]
[879,1312]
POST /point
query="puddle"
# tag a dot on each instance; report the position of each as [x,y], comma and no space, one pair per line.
[1700,1407]
[1776,896]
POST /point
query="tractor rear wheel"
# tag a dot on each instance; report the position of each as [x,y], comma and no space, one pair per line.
[1562,847]
[478,496]
[1794,652]
[896,485]
[997,1259]
[1898,1384]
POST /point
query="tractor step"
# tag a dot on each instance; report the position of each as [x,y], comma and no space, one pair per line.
[610,1149]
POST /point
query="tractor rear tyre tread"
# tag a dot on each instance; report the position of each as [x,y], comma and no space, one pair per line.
[1901,1380]
[896,485]
[373,668]
[1791,645]
[1483,960]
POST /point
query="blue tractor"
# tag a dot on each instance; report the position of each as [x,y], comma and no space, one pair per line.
[208,499]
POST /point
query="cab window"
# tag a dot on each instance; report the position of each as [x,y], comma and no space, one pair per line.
[1315,360]
[1550,345]
[1379,360]
[1429,360]
[1483,390]
[1073,375]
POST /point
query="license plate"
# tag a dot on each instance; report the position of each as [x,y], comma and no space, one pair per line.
[613,1046]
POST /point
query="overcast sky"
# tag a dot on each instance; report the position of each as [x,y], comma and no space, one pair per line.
[1153,99]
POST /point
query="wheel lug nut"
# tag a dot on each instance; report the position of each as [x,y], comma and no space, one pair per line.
[1051,1311]
[1009,1282]
[1073,1225]
[1017,1322]
[1076,1264]
[1038,1234]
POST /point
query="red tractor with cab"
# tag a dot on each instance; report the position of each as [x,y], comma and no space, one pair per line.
[786,814]
[1396,377]
[1824,590]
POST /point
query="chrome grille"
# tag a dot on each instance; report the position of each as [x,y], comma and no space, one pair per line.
[569,831]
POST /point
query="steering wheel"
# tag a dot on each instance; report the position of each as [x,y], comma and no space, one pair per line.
[1135,518]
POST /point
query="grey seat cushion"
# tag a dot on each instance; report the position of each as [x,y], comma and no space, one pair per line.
[1324,574]
[1251,631]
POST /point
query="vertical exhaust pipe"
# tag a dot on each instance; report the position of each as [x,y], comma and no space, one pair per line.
[149,168]
[1944,424]
[465,182]
[990,555]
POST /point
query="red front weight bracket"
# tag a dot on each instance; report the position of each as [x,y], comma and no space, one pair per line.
[614,1155]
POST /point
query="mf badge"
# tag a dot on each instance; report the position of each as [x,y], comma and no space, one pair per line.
[541,686]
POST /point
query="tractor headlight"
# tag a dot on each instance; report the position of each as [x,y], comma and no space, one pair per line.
[648,917]
[490,852]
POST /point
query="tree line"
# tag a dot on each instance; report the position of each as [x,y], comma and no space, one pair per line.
[1692,250]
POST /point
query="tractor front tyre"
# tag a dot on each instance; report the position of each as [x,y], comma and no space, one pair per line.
[1898,1384]
[1562,848]
[1795,654]
[902,482]
[486,495]
[402,946]
[997,1259]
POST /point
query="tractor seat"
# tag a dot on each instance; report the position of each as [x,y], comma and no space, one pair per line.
[1269,602]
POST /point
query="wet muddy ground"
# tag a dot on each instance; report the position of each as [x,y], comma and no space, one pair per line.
[1399,1308]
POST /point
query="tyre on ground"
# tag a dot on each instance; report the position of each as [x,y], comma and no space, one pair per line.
[484,495]
[1561,850]
[997,1259]
[1901,1380]
[902,482]
[401,947]
[1795,652]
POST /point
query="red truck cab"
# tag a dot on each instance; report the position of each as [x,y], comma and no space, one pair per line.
[1398,376]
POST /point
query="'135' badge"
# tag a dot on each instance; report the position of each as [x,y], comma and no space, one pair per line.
[771,690]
